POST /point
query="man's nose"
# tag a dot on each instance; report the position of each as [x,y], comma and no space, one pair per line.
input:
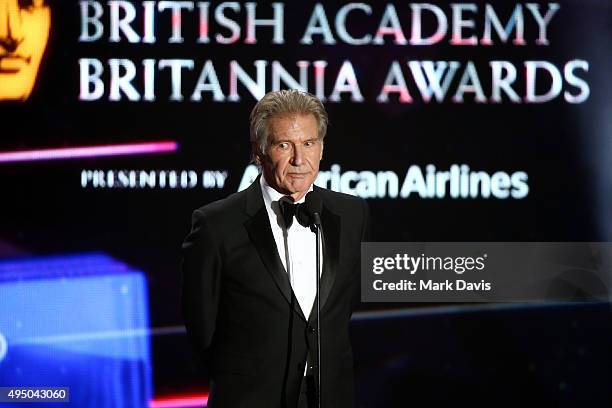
[11,30]
[297,157]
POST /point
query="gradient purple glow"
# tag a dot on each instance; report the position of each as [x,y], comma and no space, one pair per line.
[79,152]
[180,401]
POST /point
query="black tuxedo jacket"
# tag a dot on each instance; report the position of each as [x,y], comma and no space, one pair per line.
[241,313]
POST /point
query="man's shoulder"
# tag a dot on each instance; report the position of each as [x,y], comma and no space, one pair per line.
[224,208]
[340,201]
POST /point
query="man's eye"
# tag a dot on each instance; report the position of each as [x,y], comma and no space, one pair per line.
[27,4]
[283,146]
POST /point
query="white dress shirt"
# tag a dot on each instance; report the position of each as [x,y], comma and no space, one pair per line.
[296,249]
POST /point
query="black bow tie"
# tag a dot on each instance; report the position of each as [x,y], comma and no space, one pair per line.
[291,210]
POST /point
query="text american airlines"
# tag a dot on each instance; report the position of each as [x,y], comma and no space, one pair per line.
[426,182]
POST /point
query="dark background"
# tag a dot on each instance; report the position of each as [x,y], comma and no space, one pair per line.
[551,355]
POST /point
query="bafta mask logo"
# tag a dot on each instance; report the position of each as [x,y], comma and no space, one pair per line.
[24,31]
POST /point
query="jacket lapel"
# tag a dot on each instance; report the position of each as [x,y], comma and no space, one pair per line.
[260,233]
[331,254]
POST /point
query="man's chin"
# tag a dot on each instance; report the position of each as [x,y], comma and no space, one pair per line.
[298,195]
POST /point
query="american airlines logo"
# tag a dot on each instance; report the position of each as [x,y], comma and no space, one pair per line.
[428,182]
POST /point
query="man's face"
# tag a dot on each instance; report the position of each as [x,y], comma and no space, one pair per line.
[291,162]
[24,31]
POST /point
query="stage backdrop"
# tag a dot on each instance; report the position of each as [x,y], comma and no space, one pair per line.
[479,121]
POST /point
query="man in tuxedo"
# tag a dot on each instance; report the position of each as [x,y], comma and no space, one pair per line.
[249,271]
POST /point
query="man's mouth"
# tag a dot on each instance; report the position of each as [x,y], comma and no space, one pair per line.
[13,63]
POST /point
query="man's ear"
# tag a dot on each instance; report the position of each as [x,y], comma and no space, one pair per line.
[257,154]
[260,158]
[322,146]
